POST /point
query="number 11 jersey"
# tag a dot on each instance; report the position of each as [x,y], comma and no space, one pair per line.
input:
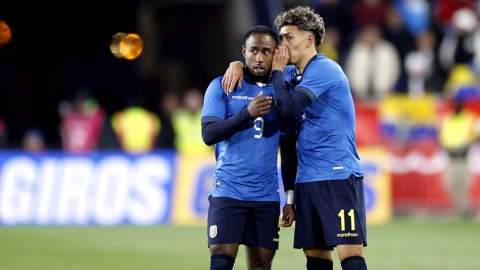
[246,166]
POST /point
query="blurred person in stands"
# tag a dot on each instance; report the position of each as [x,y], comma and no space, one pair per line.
[82,122]
[461,42]
[3,134]
[168,104]
[423,67]
[370,12]
[373,65]
[185,122]
[415,15]
[444,10]
[136,128]
[33,140]
[462,83]
[404,42]
[458,131]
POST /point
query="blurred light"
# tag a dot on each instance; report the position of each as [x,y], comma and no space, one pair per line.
[5,34]
[126,46]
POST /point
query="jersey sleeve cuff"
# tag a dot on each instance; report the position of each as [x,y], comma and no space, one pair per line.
[290,194]
[210,119]
[307,92]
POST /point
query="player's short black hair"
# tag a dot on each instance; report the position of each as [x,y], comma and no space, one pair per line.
[261,29]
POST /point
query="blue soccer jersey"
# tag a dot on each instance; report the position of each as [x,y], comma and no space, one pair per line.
[246,166]
[326,134]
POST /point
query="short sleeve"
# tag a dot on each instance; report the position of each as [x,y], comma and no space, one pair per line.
[215,103]
[319,77]
[288,126]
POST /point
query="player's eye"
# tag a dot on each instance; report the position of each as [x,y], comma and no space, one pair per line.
[289,38]
[254,51]
[267,52]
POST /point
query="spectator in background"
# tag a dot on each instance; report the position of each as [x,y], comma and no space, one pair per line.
[460,43]
[373,65]
[462,83]
[3,134]
[33,140]
[136,128]
[404,42]
[415,15]
[168,104]
[185,121]
[423,68]
[444,10]
[370,12]
[82,123]
[457,134]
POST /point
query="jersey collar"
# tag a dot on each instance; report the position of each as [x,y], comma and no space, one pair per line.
[315,57]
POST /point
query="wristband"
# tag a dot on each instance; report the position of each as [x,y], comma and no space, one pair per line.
[290,194]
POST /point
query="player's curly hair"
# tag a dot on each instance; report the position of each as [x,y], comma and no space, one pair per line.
[304,18]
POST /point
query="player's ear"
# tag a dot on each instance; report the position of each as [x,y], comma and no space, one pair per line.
[310,41]
[244,50]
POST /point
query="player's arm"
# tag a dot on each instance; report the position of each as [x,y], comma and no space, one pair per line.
[288,104]
[289,162]
[215,129]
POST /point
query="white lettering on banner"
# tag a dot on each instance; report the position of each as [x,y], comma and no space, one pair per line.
[18,179]
[73,202]
[112,191]
[45,194]
[79,191]
[146,208]
[416,162]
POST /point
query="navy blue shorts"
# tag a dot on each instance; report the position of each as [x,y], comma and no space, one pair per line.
[330,213]
[244,222]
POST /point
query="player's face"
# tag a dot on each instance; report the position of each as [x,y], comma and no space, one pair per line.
[296,41]
[258,52]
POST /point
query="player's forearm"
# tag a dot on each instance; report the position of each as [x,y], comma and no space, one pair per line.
[215,132]
[289,160]
[289,105]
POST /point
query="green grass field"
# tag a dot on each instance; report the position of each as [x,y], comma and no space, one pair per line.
[399,245]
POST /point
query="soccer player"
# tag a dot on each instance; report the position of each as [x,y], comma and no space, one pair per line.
[245,202]
[330,207]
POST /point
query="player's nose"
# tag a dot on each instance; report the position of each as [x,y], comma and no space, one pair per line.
[259,58]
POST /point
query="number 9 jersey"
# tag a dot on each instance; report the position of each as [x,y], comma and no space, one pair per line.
[246,166]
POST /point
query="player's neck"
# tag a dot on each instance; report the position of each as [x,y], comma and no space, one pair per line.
[300,65]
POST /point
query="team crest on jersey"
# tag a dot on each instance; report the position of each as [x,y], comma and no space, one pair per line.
[213,231]
[275,106]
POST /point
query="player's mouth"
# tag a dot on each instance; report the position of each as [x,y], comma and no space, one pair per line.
[258,69]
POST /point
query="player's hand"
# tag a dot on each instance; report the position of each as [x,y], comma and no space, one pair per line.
[260,106]
[288,215]
[280,58]
[233,74]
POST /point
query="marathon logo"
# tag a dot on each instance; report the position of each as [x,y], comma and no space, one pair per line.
[242,97]
[347,235]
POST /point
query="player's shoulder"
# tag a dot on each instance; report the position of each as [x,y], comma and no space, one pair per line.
[322,62]
[325,66]
[215,84]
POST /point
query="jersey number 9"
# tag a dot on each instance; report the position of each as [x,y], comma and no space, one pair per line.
[255,125]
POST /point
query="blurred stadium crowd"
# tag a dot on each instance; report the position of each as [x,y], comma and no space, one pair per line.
[413,67]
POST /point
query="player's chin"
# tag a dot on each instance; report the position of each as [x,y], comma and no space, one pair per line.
[261,76]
